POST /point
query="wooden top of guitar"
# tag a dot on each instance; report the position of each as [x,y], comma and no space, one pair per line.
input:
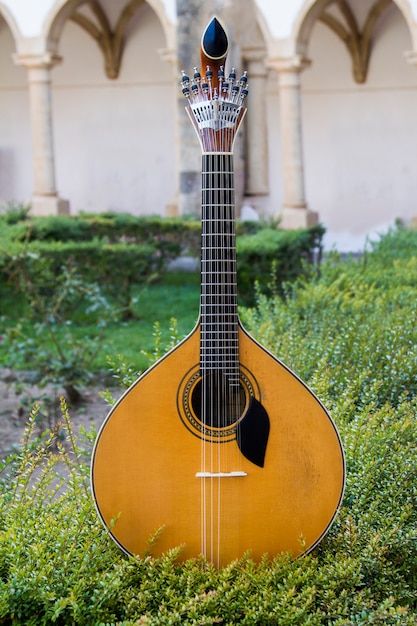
[218,447]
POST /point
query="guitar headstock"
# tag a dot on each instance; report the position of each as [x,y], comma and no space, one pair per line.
[215,103]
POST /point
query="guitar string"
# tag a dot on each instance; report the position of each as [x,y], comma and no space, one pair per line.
[203,388]
[224,279]
[220,380]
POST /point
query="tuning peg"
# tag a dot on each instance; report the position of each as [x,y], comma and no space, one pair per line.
[244,93]
[185,80]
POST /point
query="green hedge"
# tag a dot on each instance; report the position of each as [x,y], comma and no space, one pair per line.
[119,251]
[115,267]
[113,227]
[273,257]
[351,334]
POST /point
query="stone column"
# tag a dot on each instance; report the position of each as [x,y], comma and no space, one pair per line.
[45,200]
[411,58]
[170,56]
[295,213]
[256,124]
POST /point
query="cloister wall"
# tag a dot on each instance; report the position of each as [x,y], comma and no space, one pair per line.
[116,141]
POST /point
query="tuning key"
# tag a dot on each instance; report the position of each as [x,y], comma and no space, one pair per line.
[185,81]
[232,75]
[244,93]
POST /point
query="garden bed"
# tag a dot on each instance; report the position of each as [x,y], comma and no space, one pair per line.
[14,410]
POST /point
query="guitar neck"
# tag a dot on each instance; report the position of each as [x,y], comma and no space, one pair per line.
[219,319]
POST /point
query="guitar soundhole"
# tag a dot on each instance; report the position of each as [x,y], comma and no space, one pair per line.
[216,402]
[211,406]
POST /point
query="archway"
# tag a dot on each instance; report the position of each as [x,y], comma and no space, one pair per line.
[313,10]
[10,22]
[359,124]
[15,148]
[113,105]
[63,10]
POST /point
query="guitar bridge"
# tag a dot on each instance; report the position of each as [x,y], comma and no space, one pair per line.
[220,474]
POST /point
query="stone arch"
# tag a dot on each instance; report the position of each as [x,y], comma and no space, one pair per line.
[346,126]
[64,9]
[314,9]
[113,125]
[11,23]
[15,146]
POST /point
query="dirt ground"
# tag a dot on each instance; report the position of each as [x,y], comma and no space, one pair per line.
[14,410]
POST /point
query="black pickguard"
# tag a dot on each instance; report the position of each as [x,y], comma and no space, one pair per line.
[252,433]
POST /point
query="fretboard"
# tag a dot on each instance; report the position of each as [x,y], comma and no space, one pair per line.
[219,320]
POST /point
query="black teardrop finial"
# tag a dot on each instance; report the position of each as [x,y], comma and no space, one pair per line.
[214,42]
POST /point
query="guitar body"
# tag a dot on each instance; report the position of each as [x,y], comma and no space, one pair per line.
[218,447]
[149,451]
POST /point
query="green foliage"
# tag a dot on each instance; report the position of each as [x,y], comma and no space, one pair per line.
[164,233]
[116,267]
[354,320]
[58,566]
[350,333]
[119,251]
[280,254]
[45,340]
[12,213]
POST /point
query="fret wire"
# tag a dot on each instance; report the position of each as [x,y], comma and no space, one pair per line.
[219,331]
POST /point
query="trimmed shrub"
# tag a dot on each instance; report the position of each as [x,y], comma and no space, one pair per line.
[274,257]
[119,251]
[58,565]
[350,334]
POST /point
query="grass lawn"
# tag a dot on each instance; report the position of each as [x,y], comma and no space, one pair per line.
[175,296]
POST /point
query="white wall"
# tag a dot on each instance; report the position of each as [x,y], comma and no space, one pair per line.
[15,145]
[115,138]
[360,140]
[280,16]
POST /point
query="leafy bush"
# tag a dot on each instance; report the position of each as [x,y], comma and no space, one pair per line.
[46,340]
[12,212]
[354,319]
[111,227]
[350,334]
[58,565]
[116,267]
[273,257]
[138,248]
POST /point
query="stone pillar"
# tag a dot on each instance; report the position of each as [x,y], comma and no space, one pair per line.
[411,58]
[295,213]
[191,21]
[256,124]
[45,200]
[170,56]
